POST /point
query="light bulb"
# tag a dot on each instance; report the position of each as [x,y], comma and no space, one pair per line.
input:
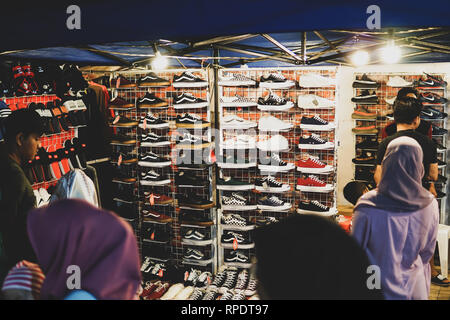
[391,53]
[159,62]
[360,58]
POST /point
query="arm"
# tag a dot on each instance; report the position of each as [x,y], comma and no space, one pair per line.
[361,228]
[377,174]
[433,172]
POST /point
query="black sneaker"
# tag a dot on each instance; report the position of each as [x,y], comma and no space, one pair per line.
[150,121]
[269,184]
[151,159]
[237,257]
[121,175]
[370,144]
[151,178]
[431,82]
[274,164]
[231,161]
[264,221]
[365,82]
[187,100]
[438,131]
[189,141]
[150,101]
[275,81]
[123,158]
[439,146]
[194,217]
[313,207]
[441,163]
[314,142]
[432,114]
[272,102]
[366,97]
[191,121]
[433,98]
[189,160]
[188,80]
[230,237]
[152,80]
[364,174]
[123,140]
[184,179]
[366,157]
[194,254]
[315,123]
[440,194]
[273,203]
[149,232]
[441,179]
[153,140]
[194,201]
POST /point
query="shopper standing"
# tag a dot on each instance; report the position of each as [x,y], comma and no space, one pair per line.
[22,129]
[396,224]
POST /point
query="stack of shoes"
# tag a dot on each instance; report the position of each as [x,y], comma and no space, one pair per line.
[71,83]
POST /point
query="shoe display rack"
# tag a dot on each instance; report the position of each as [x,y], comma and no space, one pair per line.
[263,173]
[164,182]
[373,111]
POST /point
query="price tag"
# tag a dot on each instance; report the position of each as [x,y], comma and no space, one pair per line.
[119,161]
[213,156]
[235,244]
[118,82]
[116,120]
[160,273]
[239,109]
[145,124]
[186,275]
[152,199]
[152,236]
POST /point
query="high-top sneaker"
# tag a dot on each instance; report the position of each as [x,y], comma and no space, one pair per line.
[30,78]
[21,85]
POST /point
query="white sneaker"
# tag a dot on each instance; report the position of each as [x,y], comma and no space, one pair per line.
[275,143]
[270,123]
[398,82]
[173,291]
[390,100]
[235,79]
[313,80]
[39,200]
[312,101]
[239,142]
[237,101]
[275,80]
[44,195]
[234,122]
[184,294]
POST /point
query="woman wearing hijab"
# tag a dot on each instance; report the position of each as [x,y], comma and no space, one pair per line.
[74,233]
[397,223]
[305,257]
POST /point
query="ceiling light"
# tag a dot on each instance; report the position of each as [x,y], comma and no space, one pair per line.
[391,53]
[360,58]
[159,62]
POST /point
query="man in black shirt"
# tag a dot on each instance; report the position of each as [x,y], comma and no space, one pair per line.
[407,117]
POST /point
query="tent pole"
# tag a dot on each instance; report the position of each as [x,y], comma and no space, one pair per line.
[304,47]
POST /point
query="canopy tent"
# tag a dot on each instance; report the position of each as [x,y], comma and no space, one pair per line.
[254,32]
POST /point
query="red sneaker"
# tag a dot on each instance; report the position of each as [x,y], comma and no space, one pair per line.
[155,216]
[313,184]
[120,103]
[313,165]
[122,82]
[158,292]
[149,288]
[157,198]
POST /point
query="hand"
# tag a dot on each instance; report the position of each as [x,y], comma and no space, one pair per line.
[432,189]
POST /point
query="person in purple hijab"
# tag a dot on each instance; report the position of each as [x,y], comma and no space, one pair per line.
[396,224]
[72,232]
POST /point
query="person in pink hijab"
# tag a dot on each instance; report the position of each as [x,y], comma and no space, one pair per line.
[72,232]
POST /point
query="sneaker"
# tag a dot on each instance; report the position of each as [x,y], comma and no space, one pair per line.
[313,165]
[237,101]
[230,161]
[235,79]
[235,122]
[312,101]
[150,215]
[276,143]
[313,184]
[314,142]
[151,178]
[219,279]
[150,121]
[151,233]
[273,203]
[242,280]
[441,164]
[188,80]
[193,217]
[365,82]
[251,287]
[238,295]
[150,100]
[432,82]
[314,207]
[263,221]
[152,80]
[195,202]
[316,123]
[236,203]
[230,280]
[193,254]
[313,80]
[187,100]
[234,220]
[231,184]
[187,179]
[203,280]
[184,294]
[438,131]
[236,256]
[362,113]
[197,294]
[270,123]
[390,100]
[269,184]
[239,142]
[366,97]
[232,237]
[189,160]
[274,164]
[193,121]
[189,141]
[192,277]
[365,130]
[157,199]
[364,174]
[272,102]
[159,292]
[172,292]
[123,140]
[368,143]
[441,179]
[122,82]
[120,103]
[151,159]
[210,295]
[227,295]
[275,81]
[439,146]
[440,194]
[153,140]
[432,114]
[398,82]
[121,121]
[366,157]
[433,98]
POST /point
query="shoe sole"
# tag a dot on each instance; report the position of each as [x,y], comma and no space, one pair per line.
[238,104]
[197,223]
[192,126]
[124,125]
[154,126]
[274,129]
[154,164]
[275,85]
[166,220]
[267,168]
[370,131]
[124,180]
[236,187]
[126,161]
[239,208]
[190,85]
[236,83]
[357,116]
[236,165]
[327,145]
[330,212]
[155,183]
[237,127]
[284,188]
[196,242]
[127,142]
[193,146]
[326,169]
[121,106]
[154,84]
[156,144]
[190,105]
[317,127]
[315,189]
[131,85]
[153,106]
[284,207]
[237,228]
[197,206]
[275,108]
[239,246]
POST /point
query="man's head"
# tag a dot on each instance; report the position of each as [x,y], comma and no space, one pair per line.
[407,111]
[354,190]
[23,129]
[407,92]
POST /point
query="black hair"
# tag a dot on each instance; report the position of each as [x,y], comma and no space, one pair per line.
[406,110]
[354,190]
[25,121]
[403,92]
